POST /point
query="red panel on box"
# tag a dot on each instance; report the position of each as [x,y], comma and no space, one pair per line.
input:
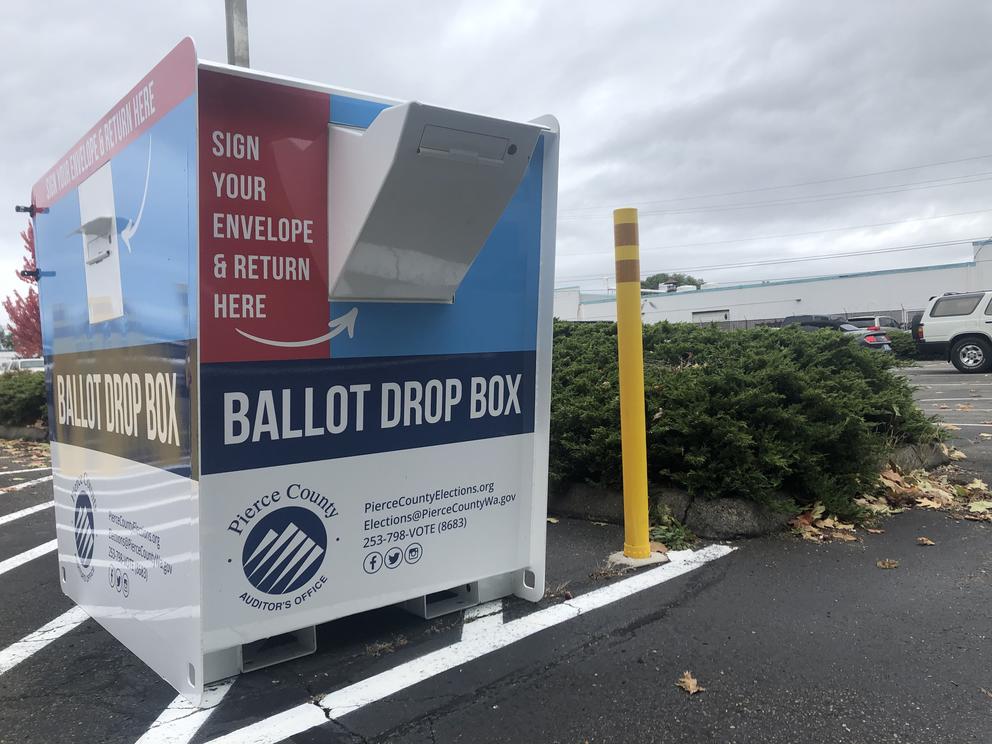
[263,220]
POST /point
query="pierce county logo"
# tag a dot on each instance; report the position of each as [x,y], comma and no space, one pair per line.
[83,529]
[284,550]
[84,526]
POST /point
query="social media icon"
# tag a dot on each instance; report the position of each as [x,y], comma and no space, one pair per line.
[394,557]
[413,553]
[373,562]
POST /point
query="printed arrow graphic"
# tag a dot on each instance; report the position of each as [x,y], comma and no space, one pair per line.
[132,226]
[337,325]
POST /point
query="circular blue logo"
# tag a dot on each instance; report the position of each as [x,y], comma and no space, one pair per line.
[284,550]
[84,532]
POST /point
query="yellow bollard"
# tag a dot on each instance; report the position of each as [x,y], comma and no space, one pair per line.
[630,347]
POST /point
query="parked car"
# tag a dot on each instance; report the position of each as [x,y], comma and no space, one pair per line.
[958,327]
[876,322]
[30,364]
[869,339]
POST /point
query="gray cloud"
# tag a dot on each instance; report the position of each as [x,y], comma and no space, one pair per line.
[657,101]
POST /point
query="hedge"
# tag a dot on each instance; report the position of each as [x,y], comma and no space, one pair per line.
[905,348]
[754,414]
[22,399]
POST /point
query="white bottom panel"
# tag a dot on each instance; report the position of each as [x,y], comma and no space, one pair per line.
[127,538]
[296,545]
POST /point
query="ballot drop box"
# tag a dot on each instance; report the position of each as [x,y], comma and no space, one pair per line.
[297,344]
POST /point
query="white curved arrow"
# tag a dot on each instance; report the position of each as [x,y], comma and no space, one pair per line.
[132,226]
[345,323]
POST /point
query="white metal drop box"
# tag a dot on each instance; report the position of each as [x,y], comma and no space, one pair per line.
[298,346]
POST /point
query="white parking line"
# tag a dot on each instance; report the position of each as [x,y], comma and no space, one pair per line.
[962,384]
[180,722]
[28,555]
[17,652]
[21,472]
[25,484]
[482,619]
[25,512]
[349,699]
[938,400]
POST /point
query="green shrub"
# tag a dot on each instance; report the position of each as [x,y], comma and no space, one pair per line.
[903,345]
[22,399]
[905,348]
[748,413]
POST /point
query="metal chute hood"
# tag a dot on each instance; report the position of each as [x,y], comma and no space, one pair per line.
[413,199]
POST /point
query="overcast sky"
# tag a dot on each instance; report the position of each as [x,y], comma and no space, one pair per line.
[692,112]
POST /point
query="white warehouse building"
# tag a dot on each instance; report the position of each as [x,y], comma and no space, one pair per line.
[895,292]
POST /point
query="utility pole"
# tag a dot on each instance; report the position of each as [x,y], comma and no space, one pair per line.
[237,32]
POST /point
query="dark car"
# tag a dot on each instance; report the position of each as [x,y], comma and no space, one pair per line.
[869,339]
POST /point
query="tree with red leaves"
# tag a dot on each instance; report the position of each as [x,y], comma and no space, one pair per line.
[24,316]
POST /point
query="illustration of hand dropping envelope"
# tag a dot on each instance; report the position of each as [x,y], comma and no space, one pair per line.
[101,254]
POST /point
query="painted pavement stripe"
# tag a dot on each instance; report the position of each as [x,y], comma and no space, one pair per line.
[25,484]
[20,650]
[21,472]
[28,555]
[349,699]
[482,619]
[25,512]
[180,722]
[937,400]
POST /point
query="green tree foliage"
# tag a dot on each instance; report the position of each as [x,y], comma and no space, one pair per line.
[905,348]
[22,399]
[657,281]
[750,413]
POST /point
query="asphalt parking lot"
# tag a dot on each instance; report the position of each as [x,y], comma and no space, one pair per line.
[792,641]
[960,400]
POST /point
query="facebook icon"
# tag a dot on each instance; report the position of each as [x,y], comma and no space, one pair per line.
[373,562]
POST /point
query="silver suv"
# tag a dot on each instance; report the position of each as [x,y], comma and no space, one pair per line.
[958,326]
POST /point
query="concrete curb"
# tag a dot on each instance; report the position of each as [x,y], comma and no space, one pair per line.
[714,519]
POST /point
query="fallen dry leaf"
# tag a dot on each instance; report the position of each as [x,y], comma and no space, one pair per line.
[977,485]
[807,518]
[876,505]
[832,523]
[658,547]
[552,520]
[808,532]
[887,563]
[986,692]
[844,536]
[980,507]
[689,683]
[874,531]
[948,427]
[985,435]
[929,504]
[924,541]
[965,407]
[943,407]
[957,455]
